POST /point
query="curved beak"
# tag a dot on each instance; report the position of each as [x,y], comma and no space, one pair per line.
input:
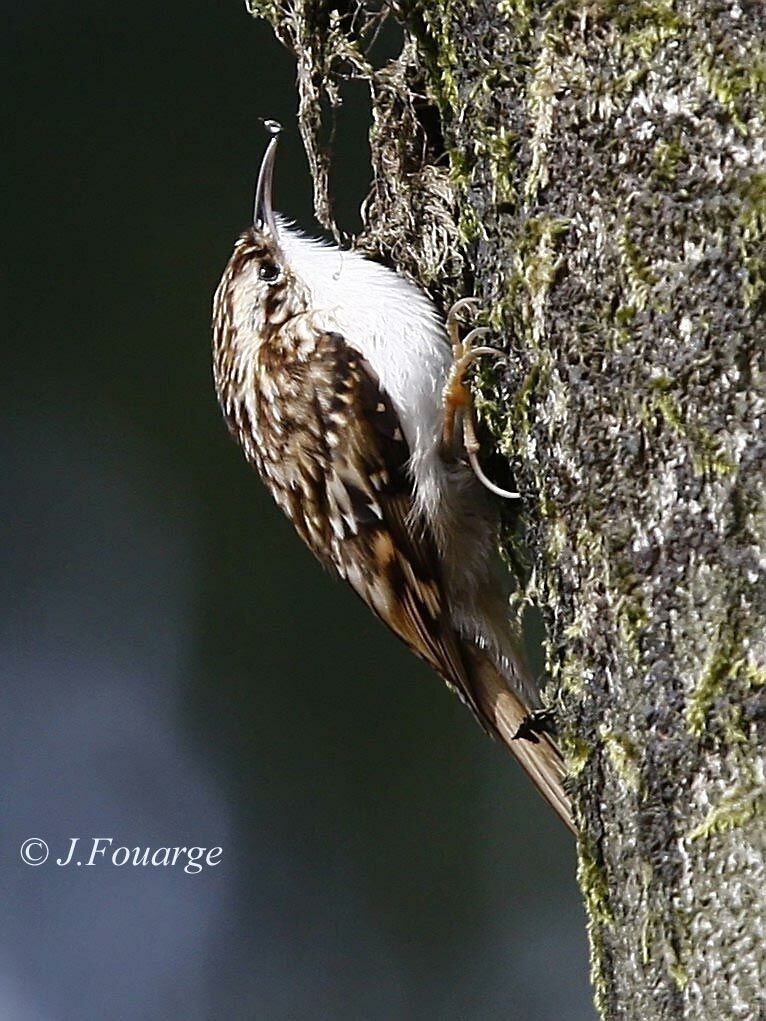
[263,211]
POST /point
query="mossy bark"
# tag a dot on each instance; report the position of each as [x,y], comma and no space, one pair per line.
[595,173]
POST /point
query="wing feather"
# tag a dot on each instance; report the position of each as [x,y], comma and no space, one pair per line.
[389,557]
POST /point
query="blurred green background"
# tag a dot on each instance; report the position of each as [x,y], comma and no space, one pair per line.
[176,667]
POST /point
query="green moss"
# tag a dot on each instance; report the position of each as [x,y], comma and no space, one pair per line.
[643,27]
[633,33]
[654,936]
[720,672]
[711,685]
[678,973]
[708,457]
[489,409]
[735,809]
[637,31]
[268,9]
[624,315]
[577,754]
[734,86]
[459,168]
[518,11]
[751,222]
[623,757]
[518,410]
[500,149]
[751,675]
[572,682]
[707,454]
[733,726]
[595,889]
[638,274]
[536,267]
[469,225]
[432,25]
[540,104]
[666,156]
[632,619]
[500,314]
[558,533]
[668,408]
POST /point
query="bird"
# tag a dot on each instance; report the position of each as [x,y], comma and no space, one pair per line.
[343,383]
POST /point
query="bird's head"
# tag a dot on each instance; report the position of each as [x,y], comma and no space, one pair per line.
[259,291]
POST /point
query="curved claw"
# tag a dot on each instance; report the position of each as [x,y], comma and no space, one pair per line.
[459,305]
[472,447]
[452,317]
[457,396]
[477,331]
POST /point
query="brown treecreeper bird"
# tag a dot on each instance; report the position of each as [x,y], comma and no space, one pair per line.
[337,378]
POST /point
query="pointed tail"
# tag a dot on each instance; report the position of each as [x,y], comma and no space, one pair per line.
[504,712]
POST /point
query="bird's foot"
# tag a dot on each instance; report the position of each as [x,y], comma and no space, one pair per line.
[539,721]
[457,396]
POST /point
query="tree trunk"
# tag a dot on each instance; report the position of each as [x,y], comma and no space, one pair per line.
[596,173]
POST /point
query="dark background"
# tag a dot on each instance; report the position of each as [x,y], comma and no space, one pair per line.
[176,667]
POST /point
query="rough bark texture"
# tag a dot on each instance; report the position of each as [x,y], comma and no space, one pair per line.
[595,172]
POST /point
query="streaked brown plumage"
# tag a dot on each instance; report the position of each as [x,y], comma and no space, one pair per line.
[350,469]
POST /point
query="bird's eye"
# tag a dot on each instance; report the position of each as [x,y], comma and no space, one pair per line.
[269,272]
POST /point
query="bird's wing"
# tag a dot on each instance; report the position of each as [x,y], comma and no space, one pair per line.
[390,558]
[387,555]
